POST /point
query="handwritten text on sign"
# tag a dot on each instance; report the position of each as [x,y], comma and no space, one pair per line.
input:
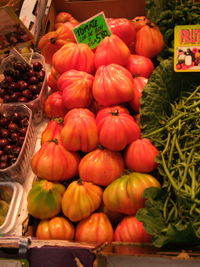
[92,31]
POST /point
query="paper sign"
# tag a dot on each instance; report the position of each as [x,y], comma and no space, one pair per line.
[13,33]
[187,48]
[92,30]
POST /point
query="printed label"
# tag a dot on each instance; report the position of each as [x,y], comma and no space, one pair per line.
[92,30]
[187,48]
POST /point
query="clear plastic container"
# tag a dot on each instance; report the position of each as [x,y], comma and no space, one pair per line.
[11,195]
[37,104]
[17,172]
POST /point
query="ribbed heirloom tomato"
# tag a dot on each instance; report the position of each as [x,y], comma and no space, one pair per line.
[111,50]
[140,156]
[76,56]
[81,199]
[44,199]
[125,193]
[129,229]
[56,228]
[138,87]
[53,162]
[80,130]
[53,41]
[140,66]
[96,228]
[54,106]
[116,129]
[113,85]
[76,88]
[123,28]
[101,166]
[52,130]
[149,41]
[52,79]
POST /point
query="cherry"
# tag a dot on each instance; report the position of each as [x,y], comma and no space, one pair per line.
[22,99]
[8,148]
[4,121]
[4,133]
[27,93]
[41,75]
[31,73]
[13,127]
[6,99]
[37,66]
[14,137]
[22,85]
[3,165]
[14,96]
[8,79]
[4,158]
[16,117]
[3,142]
[34,88]
[33,80]
[22,131]
[2,92]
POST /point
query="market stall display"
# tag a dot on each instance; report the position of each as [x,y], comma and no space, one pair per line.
[117,152]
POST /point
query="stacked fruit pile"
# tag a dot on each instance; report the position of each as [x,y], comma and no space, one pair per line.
[93,164]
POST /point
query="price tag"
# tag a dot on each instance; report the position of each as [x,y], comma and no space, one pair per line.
[92,31]
[187,48]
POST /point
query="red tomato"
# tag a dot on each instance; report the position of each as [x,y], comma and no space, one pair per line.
[52,79]
[139,22]
[123,28]
[131,230]
[101,166]
[76,56]
[140,66]
[95,229]
[117,129]
[111,50]
[54,106]
[125,194]
[55,228]
[140,156]
[80,131]
[149,41]
[54,163]
[113,84]
[63,17]
[138,86]
[76,88]
[52,130]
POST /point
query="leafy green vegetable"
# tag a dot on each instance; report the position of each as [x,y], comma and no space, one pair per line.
[169,117]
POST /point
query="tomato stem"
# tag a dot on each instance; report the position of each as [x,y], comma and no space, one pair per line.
[115,112]
[58,120]
[52,40]
[54,140]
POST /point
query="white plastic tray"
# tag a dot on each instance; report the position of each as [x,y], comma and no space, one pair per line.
[14,206]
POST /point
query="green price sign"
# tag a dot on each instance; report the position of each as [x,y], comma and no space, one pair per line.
[92,31]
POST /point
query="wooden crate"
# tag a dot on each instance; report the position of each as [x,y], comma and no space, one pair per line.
[82,10]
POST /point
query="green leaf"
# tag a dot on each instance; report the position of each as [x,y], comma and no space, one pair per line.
[182,234]
[151,215]
[164,87]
